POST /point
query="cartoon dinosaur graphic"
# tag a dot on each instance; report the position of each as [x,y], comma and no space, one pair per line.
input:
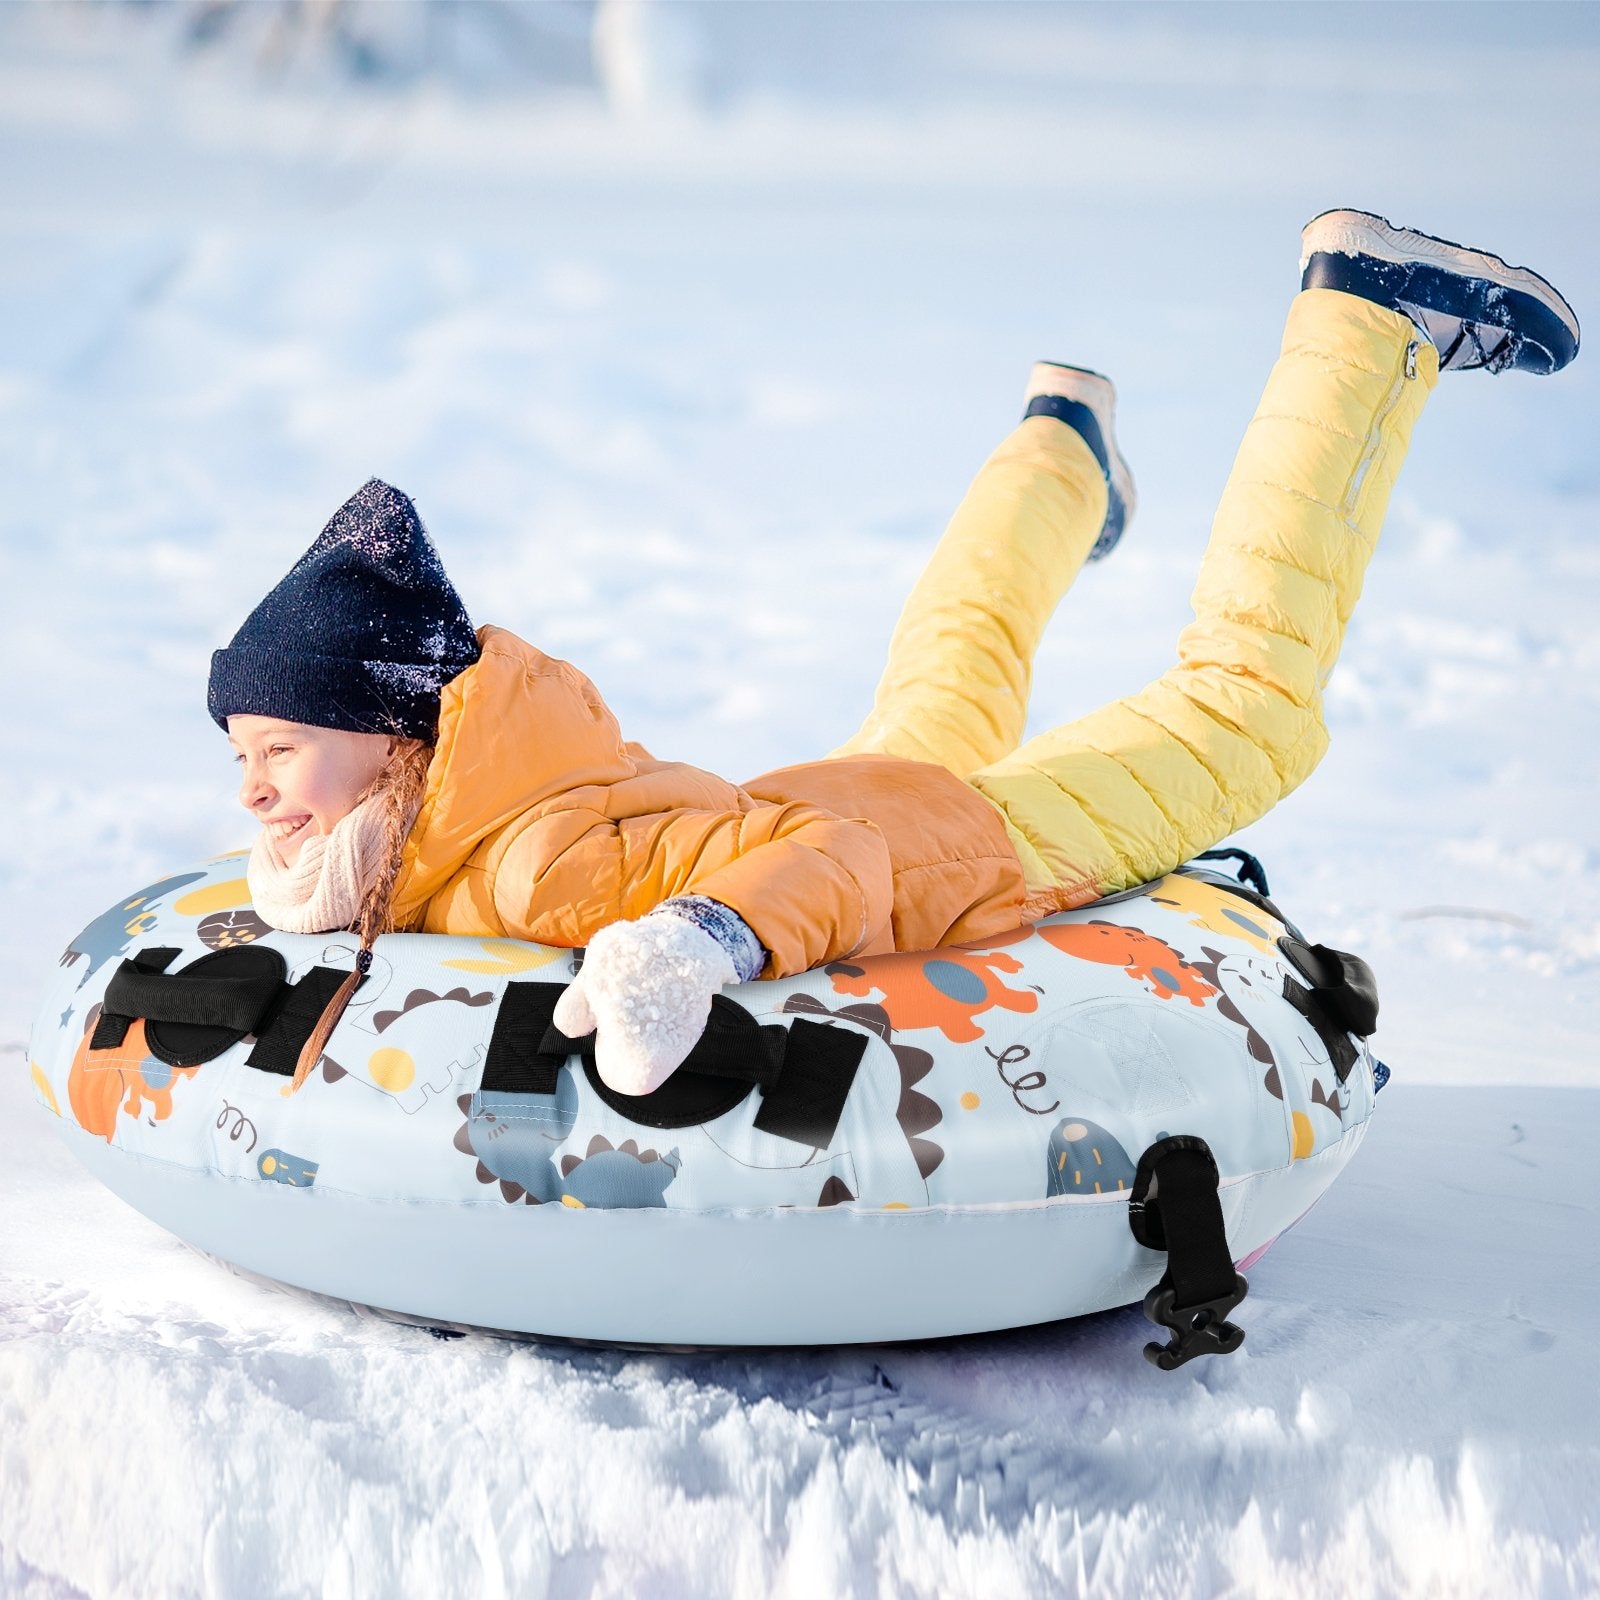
[514,1137]
[422,997]
[1242,983]
[617,1176]
[1245,983]
[124,1078]
[1142,956]
[110,934]
[947,990]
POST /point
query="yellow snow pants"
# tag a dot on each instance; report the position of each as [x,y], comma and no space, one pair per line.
[1126,793]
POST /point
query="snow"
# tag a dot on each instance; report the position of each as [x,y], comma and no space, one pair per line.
[684,357]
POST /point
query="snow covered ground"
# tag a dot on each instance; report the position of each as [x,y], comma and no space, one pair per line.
[684,380]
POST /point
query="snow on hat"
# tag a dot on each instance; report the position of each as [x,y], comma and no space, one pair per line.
[362,634]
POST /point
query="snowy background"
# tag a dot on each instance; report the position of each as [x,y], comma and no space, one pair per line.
[686,326]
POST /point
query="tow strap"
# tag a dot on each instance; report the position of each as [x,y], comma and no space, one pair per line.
[1175,1207]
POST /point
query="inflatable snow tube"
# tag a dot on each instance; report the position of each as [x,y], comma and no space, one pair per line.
[899,1147]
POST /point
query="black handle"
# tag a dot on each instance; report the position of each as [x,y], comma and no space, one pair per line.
[1341,1000]
[191,1016]
[733,1045]
[235,999]
[804,1071]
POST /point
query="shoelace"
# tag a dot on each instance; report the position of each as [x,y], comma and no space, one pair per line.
[1462,345]
[1496,358]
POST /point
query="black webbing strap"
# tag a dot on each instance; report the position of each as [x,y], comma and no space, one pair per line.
[217,991]
[1342,999]
[194,1015]
[112,1028]
[1174,1206]
[819,1065]
[300,1007]
[734,1045]
[804,1071]
[527,1052]
[517,1062]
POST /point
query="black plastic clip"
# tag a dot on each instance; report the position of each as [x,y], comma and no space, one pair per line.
[1200,1330]
[1174,1206]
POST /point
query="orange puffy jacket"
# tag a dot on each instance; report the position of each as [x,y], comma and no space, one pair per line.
[540,822]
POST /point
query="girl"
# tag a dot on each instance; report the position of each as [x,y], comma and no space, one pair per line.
[412,773]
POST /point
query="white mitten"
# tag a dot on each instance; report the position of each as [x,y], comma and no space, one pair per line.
[645,992]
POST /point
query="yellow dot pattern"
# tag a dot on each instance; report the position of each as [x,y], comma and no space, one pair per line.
[393,1070]
[970,1101]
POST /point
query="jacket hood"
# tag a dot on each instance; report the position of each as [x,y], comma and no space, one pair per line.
[516,729]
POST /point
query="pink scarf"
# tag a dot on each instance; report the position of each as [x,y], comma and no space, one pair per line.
[324,888]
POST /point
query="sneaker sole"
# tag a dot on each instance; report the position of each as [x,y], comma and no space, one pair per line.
[1097,394]
[1554,328]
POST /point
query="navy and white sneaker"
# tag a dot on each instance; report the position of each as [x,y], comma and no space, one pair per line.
[1476,310]
[1085,401]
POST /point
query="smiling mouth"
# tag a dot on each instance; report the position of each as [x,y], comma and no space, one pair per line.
[282,832]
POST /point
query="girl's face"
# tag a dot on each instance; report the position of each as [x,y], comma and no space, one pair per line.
[299,780]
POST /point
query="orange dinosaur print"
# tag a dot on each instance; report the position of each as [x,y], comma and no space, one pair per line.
[124,1078]
[1141,955]
[996,940]
[944,991]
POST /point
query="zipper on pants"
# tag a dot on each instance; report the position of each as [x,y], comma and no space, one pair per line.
[1408,371]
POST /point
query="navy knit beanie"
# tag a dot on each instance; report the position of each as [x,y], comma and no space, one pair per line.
[362,634]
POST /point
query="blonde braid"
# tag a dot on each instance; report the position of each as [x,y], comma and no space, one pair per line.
[398,788]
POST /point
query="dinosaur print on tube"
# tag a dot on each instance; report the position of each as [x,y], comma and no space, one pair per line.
[125,1079]
[947,991]
[1146,959]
